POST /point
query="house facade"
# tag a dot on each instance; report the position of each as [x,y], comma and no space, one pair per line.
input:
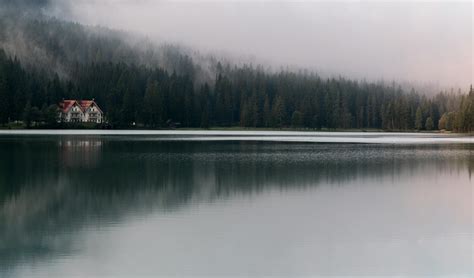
[80,111]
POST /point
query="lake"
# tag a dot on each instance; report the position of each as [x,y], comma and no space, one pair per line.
[231,203]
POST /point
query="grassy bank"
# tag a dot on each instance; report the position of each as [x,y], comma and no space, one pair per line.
[19,125]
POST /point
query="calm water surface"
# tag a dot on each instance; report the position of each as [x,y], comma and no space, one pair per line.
[235,204]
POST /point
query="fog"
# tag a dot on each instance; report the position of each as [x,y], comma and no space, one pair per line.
[426,42]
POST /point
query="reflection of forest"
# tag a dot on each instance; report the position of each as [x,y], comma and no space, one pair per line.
[49,186]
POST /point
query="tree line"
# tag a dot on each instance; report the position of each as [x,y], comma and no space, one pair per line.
[243,96]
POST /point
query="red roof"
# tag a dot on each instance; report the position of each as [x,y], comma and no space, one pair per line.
[65,105]
[85,104]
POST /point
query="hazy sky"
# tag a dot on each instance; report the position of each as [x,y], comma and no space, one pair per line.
[415,41]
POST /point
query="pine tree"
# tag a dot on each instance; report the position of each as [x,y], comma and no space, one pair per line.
[419,119]
[128,112]
[297,119]
[279,112]
[153,105]
[429,125]
[442,124]
[4,99]
[267,112]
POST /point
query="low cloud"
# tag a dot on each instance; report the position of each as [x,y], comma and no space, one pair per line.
[426,42]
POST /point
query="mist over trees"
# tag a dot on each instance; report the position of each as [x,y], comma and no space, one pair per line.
[45,61]
[56,46]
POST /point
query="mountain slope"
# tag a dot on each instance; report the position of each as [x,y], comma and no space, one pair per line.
[135,81]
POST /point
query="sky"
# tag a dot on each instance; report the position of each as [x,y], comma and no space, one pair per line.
[422,41]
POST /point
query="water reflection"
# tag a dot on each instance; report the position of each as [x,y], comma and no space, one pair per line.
[77,152]
[52,187]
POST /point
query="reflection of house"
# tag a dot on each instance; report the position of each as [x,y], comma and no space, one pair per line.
[80,152]
[76,111]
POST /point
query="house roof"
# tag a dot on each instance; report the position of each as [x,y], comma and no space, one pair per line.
[85,104]
[67,104]
[88,103]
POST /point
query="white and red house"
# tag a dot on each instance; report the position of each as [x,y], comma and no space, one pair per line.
[80,111]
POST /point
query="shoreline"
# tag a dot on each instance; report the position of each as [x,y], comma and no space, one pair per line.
[321,137]
[234,132]
[286,129]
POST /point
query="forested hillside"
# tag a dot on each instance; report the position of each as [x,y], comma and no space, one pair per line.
[57,46]
[43,61]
